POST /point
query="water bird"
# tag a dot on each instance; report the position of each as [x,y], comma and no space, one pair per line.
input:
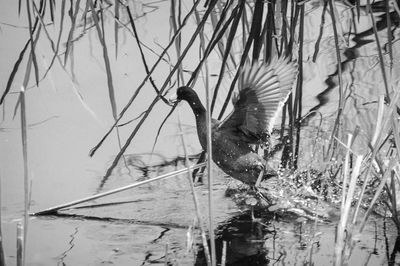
[263,90]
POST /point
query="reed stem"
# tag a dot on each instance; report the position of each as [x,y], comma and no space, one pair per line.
[54,209]
[2,255]
[26,175]
[223,257]
[195,200]
[20,244]
[210,168]
[335,130]
[344,217]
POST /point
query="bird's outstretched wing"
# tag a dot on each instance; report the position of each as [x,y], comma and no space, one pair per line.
[264,90]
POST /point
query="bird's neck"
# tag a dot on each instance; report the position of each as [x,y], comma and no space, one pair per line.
[197,107]
[201,123]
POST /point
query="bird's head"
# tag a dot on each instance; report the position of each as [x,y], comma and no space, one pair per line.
[183,93]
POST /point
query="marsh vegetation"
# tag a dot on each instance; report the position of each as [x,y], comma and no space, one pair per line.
[94,77]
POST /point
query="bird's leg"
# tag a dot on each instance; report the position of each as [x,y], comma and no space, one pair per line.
[256,190]
[257,187]
[260,176]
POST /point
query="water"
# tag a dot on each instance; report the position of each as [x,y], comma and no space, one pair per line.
[140,226]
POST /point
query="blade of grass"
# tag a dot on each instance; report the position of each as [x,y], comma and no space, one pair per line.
[321,31]
[103,194]
[245,26]
[346,170]
[54,48]
[269,32]
[25,159]
[377,194]
[378,45]
[24,140]
[377,145]
[2,255]
[215,39]
[218,33]
[215,21]
[116,13]
[295,11]
[14,72]
[396,134]
[195,200]
[74,83]
[210,166]
[128,30]
[19,7]
[33,42]
[228,47]
[288,152]
[393,197]
[335,130]
[19,60]
[284,40]
[209,153]
[395,6]
[256,28]
[223,256]
[353,240]
[297,108]
[128,141]
[52,5]
[161,126]
[242,61]
[132,22]
[69,42]
[340,231]
[358,8]
[84,14]
[374,143]
[101,36]
[174,20]
[20,244]
[379,120]
[389,36]
[131,100]
[99,23]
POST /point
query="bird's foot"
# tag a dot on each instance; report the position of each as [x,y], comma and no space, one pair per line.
[257,186]
[253,218]
[259,192]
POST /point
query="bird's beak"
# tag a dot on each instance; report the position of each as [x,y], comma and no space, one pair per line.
[173,99]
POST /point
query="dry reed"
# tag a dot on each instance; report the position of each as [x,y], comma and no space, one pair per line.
[2,254]
[195,200]
[54,209]
[20,244]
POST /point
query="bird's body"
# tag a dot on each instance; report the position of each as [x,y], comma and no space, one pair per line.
[263,91]
[234,157]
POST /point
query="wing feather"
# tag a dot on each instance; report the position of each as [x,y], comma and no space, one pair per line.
[264,90]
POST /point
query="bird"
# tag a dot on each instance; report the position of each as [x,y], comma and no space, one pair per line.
[262,92]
